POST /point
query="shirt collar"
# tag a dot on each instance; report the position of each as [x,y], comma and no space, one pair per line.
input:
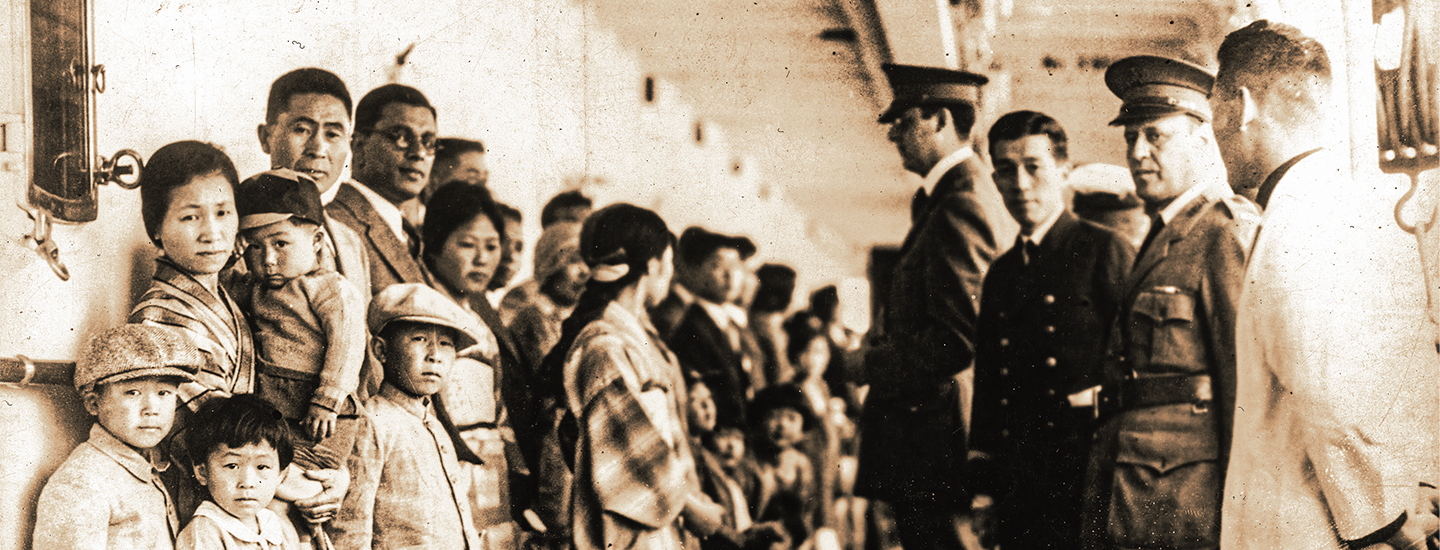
[1173,209]
[716,311]
[950,161]
[272,533]
[387,211]
[128,457]
[329,195]
[1040,230]
[418,406]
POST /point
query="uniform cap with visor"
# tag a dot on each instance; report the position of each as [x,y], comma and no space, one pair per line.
[1152,87]
[915,86]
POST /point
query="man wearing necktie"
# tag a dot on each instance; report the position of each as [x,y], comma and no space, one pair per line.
[393,148]
[912,450]
[1044,311]
[709,342]
[1157,465]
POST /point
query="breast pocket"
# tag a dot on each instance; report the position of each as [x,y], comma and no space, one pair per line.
[1168,314]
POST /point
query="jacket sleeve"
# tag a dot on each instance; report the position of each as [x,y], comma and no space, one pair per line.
[340,308]
[68,517]
[354,525]
[941,342]
[1220,293]
[1343,338]
[634,471]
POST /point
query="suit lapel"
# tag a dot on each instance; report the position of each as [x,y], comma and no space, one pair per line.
[923,206]
[1172,233]
[381,238]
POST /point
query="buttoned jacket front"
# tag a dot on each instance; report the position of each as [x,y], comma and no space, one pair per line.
[1158,469]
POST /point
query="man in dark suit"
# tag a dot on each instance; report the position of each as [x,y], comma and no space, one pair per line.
[1157,465]
[394,146]
[711,342]
[912,450]
[1046,305]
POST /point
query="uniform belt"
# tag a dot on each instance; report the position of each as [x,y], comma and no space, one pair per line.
[1139,393]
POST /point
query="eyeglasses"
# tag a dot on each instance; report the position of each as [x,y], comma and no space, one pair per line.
[403,138]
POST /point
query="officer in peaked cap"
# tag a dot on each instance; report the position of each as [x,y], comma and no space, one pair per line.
[913,448]
[1157,465]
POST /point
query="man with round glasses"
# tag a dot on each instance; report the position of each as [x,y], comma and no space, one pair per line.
[392,151]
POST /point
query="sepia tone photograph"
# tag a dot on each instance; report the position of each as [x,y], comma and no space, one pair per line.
[720,275]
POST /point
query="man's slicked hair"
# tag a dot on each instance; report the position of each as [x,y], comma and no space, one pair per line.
[1273,58]
[367,113]
[451,148]
[309,80]
[1020,124]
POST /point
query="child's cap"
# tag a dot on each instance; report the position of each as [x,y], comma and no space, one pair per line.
[277,195]
[783,396]
[127,352]
[421,304]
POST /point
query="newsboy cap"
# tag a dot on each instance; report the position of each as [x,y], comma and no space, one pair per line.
[914,86]
[783,396]
[1151,87]
[421,304]
[277,195]
[697,242]
[128,352]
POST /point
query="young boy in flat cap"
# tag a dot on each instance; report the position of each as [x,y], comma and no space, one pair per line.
[108,493]
[405,490]
[309,341]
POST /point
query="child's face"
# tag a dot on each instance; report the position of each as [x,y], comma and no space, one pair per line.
[418,357]
[282,251]
[198,231]
[784,427]
[139,412]
[242,481]
[701,409]
[730,446]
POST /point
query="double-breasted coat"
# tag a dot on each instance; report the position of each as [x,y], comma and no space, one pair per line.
[1157,464]
[1041,339]
[912,444]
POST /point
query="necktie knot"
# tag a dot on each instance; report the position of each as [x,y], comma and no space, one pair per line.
[1029,249]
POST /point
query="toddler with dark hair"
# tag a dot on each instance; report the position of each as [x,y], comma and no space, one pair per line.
[239,447]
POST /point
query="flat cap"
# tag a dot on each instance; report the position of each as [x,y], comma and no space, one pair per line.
[914,86]
[276,195]
[128,352]
[421,304]
[697,242]
[1151,87]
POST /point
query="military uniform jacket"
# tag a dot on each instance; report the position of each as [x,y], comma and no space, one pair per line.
[1158,462]
[1041,338]
[912,430]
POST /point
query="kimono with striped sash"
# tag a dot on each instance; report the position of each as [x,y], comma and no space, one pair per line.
[633,468]
[213,323]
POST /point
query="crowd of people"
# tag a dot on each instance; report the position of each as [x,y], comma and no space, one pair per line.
[331,363]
